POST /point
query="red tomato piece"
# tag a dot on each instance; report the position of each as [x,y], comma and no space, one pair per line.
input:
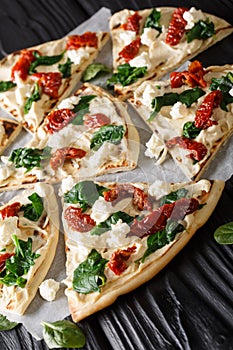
[23,64]
[10,210]
[131,50]
[58,119]
[3,258]
[117,262]
[133,23]
[96,120]
[176,27]
[74,42]
[197,149]
[77,220]
[61,154]
[49,82]
[192,77]
[202,119]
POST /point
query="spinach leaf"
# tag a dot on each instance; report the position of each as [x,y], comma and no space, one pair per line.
[153,20]
[65,68]
[173,196]
[224,84]
[19,264]
[29,158]
[84,193]
[190,130]
[89,275]
[63,334]
[35,96]
[105,226]
[224,234]
[5,324]
[107,133]
[126,75]
[6,85]
[44,61]
[201,30]
[93,70]
[34,210]
[81,109]
[188,97]
[161,238]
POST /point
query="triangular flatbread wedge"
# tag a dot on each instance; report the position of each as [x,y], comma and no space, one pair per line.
[120,235]
[191,115]
[88,134]
[29,230]
[34,80]
[149,43]
[9,130]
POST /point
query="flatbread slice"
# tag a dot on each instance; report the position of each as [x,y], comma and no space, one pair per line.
[191,115]
[148,44]
[120,235]
[34,80]
[9,130]
[88,134]
[29,230]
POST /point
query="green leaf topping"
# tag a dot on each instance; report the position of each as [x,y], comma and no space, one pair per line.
[6,85]
[65,68]
[107,133]
[63,334]
[84,193]
[187,97]
[153,20]
[112,220]
[126,75]
[89,275]
[44,61]
[224,234]
[93,70]
[224,84]
[29,158]
[82,108]
[34,210]
[5,324]
[190,130]
[19,264]
[173,196]
[201,30]
[35,96]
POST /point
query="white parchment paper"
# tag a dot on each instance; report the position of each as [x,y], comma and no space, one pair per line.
[221,168]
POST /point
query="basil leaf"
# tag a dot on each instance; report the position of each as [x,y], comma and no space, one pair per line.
[89,275]
[188,97]
[84,193]
[126,75]
[93,70]
[107,133]
[201,30]
[105,226]
[35,96]
[19,264]
[63,334]
[29,158]
[224,84]
[5,324]
[81,109]
[161,238]
[65,68]
[224,234]
[190,130]
[173,196]
[153,21]
[34,210]
[44,61]
[6,85]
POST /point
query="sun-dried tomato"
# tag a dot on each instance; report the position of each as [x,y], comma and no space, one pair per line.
[192,77]
[131,50]
[197,150]
[118,260]
[21,67]
[202,119]
[10,210]
[49,82]
[3,258]
[61,154]
[58,119]
[74,42]
[133,23]
[176,27]
[77,220]
[96,120]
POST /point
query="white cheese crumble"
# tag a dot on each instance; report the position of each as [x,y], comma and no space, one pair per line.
[156,148]
[8,227]
[117,235]
[69,102]
[148,36]
[48,289]
[179,110]
[127,36]
[158,189]
[66,185]
[192,16]
[78,56]
[142,60]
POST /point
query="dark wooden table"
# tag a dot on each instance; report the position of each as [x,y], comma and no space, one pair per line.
[189,305]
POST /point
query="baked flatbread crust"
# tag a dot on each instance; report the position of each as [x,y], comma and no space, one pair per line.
[9,130]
